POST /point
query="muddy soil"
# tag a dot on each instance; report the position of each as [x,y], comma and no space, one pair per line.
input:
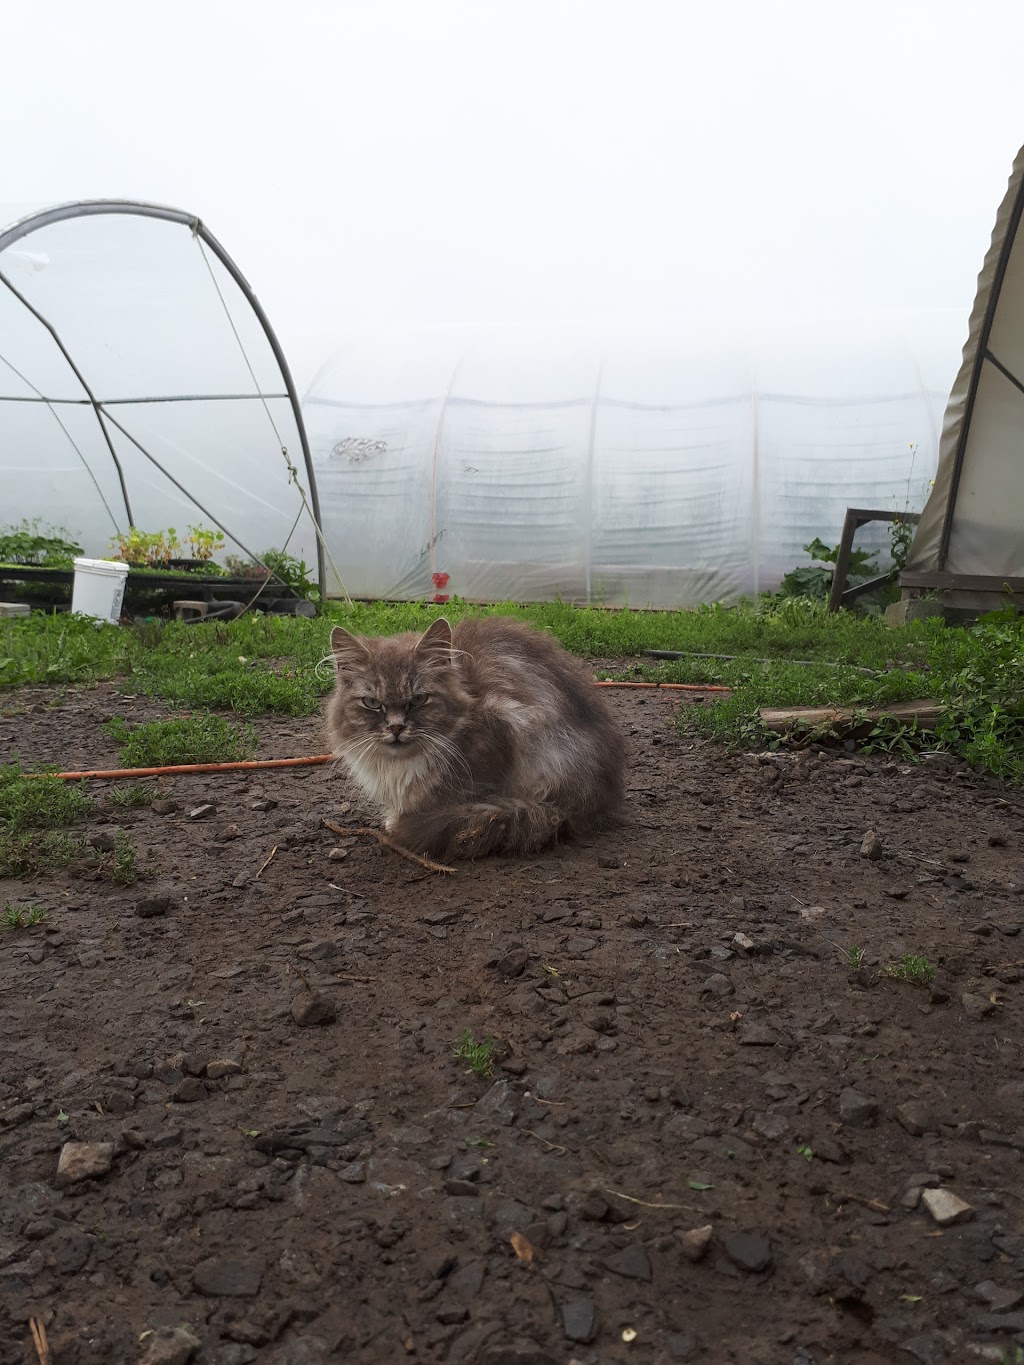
[705,1137]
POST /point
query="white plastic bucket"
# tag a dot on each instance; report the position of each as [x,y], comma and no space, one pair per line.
[99,589]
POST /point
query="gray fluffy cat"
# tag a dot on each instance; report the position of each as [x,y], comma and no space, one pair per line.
[488,738]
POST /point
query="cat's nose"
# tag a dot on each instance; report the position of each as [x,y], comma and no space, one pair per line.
[397,728]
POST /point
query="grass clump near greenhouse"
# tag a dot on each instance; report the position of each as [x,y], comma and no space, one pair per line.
[785,652]
[203,738]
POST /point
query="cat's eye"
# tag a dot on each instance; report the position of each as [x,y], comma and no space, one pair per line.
[418,698]
[371,703]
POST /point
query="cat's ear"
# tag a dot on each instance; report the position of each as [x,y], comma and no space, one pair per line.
[436,642]
[348,650]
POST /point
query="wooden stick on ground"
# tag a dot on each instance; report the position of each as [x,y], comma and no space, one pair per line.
[39,1341]
[389,843]
[849,720]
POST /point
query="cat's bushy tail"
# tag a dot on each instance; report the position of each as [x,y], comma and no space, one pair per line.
[506,825]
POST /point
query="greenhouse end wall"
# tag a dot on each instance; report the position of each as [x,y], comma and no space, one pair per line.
[651,468]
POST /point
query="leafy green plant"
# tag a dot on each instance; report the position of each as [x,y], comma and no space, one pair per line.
[478,1056]
[806,1152]
[980,679]
[204,542]
[32,542]
[855,958]
[149,549]
[294,572]
[202,738]
[916,971]
[816,583]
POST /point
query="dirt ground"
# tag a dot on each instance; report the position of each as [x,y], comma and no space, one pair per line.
[682,1044]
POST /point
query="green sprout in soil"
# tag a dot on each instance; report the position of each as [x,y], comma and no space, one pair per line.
[121,864]
[480,1056]
[918,971]
[134,795]
[806,1152]
[855,958]
[21,916]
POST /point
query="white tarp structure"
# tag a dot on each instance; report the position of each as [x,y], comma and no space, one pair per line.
[970,540]
[658,467]
[141,384]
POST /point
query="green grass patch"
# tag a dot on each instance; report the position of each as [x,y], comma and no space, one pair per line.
[43,802]
[186,739]
[478,1056]
[131,797]
[21,916]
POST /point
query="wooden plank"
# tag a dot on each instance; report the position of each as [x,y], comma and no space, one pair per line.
[849,720]
[963,582]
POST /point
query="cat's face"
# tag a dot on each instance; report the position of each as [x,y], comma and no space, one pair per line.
[396,696]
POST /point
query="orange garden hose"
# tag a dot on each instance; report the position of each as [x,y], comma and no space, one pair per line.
[250,764]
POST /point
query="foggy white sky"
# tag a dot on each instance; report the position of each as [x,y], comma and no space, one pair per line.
[438,161]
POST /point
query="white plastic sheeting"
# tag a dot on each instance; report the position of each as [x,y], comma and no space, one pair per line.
[168,345]
[652,467]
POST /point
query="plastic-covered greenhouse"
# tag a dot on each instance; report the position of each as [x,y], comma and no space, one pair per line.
[658,468]
[141,383]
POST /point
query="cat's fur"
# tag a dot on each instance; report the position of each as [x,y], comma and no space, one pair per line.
[512,749]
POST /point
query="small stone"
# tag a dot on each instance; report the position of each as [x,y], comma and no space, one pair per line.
[202,812]
[946,1207]
[84,1161]
[741,941]
[241,880]
[717,984]
[337,855]
[976,1006]
[632,1262]
[309,1010]
[169,1346]
[696,1241]
[263,804]
[757,1035]
[355,1173]
[462,1188]
[579,1320]
[151,906]
[917,1117]
[871,846]
[749,1250]
[189,1090]
[162,806]
[513,964]
[998,1297]
[857,1110]
[609,860]
[500,1104]
[223,1066]
[770,1126]
[102,843]
[229,1277]
[996,841]
[230,832]
[18,1113]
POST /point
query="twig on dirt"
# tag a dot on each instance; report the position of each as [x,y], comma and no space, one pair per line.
[389,843]
[551,1104]
[552,1146]
[302,977]
[40,1341]
[266,863]
[875,1204]
[362,980]
[347,890]
[642,1203]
